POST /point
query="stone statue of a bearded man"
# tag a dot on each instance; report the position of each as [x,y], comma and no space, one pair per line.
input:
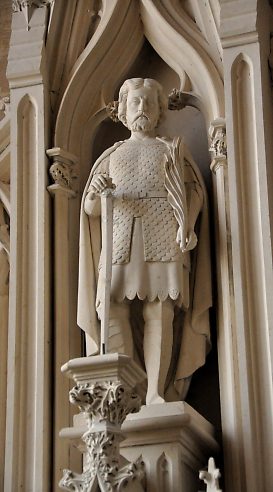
[158,256]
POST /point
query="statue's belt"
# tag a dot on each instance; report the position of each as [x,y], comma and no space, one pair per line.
[138,195]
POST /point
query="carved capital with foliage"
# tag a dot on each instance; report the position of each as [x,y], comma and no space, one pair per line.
[105,406]
[105,401]
[218,144]
[62,171]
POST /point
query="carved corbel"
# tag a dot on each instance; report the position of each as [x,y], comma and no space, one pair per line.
[62,171]
[218,144]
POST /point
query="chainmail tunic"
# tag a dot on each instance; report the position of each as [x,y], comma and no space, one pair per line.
[137,169]
[147,261]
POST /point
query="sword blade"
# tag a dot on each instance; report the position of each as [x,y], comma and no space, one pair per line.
[106,273]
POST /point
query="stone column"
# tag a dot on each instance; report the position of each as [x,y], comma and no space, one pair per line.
[63,174]
[247,407]
[29,423]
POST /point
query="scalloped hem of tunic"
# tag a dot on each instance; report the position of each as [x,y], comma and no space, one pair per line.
[147,280]
[161,296]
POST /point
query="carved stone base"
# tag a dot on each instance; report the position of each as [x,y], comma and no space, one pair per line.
[174,442]
[104,395]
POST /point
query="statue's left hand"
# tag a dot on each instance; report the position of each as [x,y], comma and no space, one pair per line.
[191,241]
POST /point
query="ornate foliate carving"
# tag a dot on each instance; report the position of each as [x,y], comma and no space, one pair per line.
[105,401]
[116,482]
[63,170]
[176,100]
[112,110]
[61,174]
[218,145]
[104,404]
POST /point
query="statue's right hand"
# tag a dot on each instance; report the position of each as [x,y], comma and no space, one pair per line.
[99,183]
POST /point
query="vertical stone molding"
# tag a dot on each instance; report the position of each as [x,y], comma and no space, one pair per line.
[246,416]
[4,276]
[29,423]
[28,362]
[104,395]
[63,176]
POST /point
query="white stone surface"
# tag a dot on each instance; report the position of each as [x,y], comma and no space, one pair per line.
[158,196]
[28,423]
[173,440]
[211,477]
[112,367]
[104,394]
[62,171]
[82,68]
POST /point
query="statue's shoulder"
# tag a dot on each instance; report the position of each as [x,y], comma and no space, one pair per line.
[171,142]
[104,157]
[111,149]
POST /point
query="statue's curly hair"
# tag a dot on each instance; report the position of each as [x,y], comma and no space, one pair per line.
[136,83]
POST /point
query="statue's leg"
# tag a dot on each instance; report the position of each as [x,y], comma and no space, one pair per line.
[158,340]
[120,333]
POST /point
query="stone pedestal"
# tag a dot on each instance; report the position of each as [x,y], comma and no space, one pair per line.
[174,441]
[104,395]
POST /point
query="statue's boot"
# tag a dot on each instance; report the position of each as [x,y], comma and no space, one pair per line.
[120,335]
[158,340]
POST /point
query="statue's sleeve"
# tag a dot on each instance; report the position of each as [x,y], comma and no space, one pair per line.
[196,327]
[195,195]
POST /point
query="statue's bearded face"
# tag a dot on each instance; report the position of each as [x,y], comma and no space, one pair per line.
[142,112]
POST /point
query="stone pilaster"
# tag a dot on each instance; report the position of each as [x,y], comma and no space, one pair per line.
[29,422]
[246,366]
[63,174]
